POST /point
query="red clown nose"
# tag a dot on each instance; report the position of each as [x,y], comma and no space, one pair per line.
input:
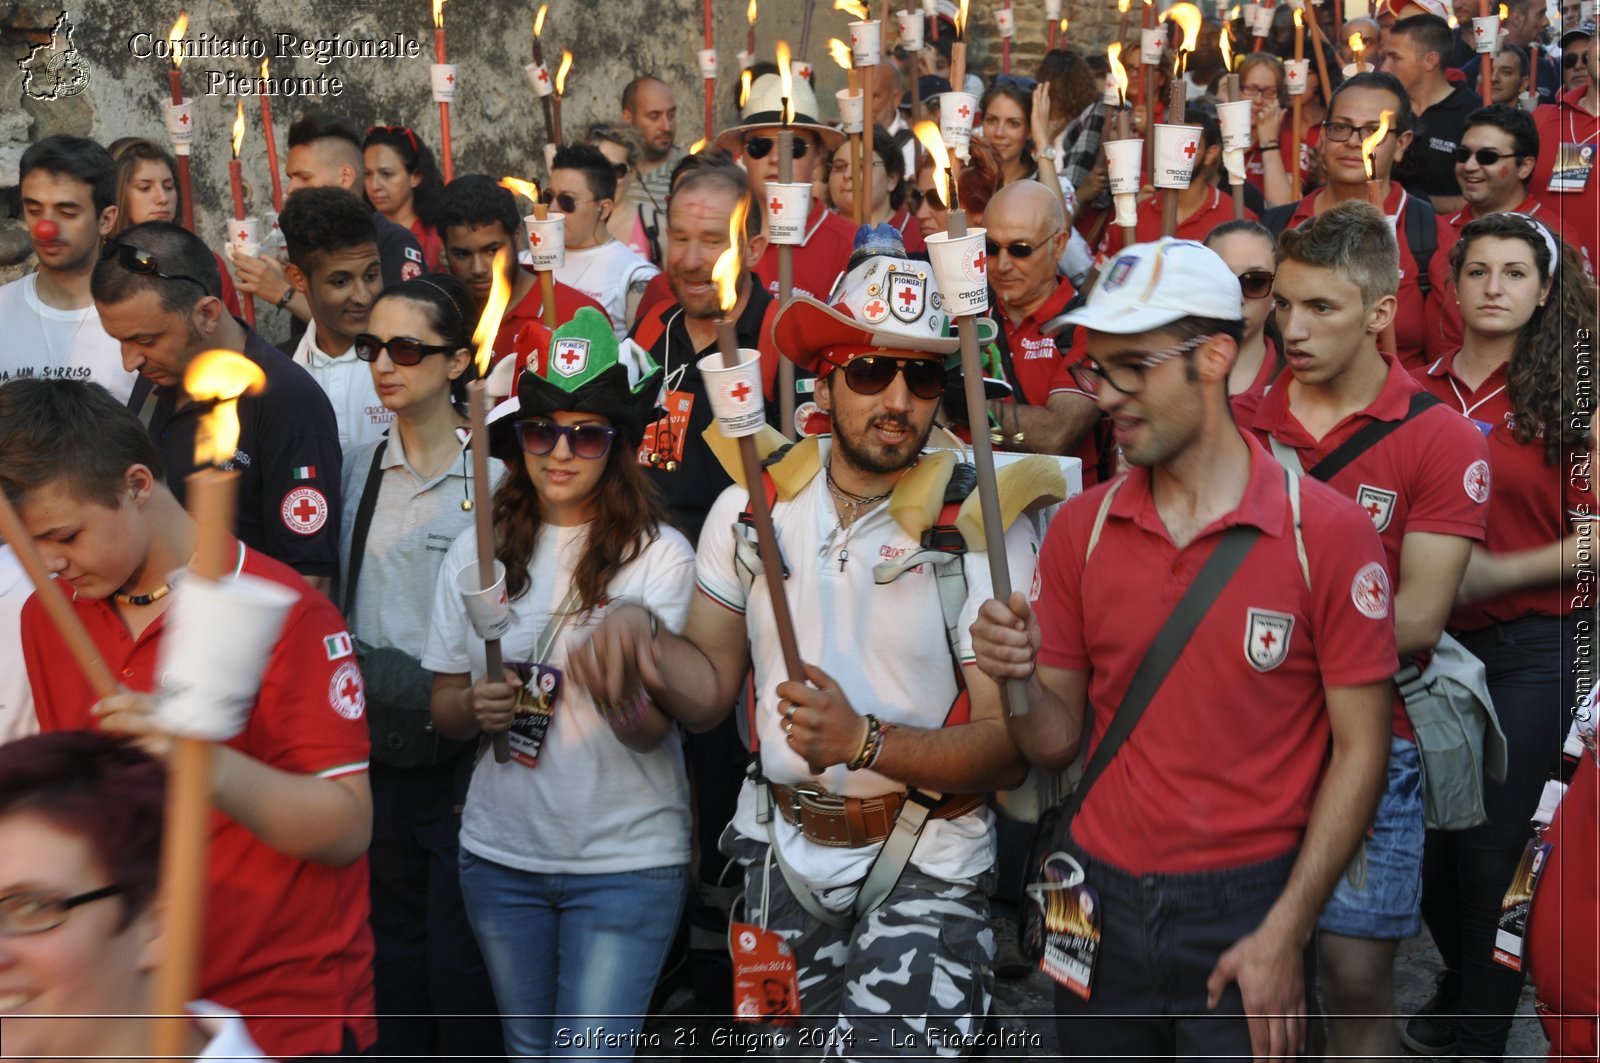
[46,231]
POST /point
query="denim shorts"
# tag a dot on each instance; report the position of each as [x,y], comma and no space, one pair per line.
[1387,905]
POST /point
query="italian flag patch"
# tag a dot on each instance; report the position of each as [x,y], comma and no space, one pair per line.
[304,472]
[338,645]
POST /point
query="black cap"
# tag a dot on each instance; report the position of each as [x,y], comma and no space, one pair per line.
[928,86]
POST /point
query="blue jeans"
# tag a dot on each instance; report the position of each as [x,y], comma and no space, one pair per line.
[1387,905]
[573,958]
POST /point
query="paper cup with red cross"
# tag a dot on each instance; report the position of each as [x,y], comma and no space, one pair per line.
[1177,148]
[244,237]
[1123,160]
[961,266]
[1151,43]
[787,208]
[1485,34]
[909,24]
[866,43]
[487,607]
[1006,20]
[547,241]
[708,63]
[852,111]
[1297,75]
[736,399]
[180,125]
[222,634]
[443,77]
[1261,23]
[1109,95]
[955,121]
[802,70]
[539,78]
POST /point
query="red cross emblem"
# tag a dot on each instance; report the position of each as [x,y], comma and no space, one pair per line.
[965,112]
[538,238]
[244,234]
[544,74]
[1373,510]
[776,205]
[907,296]
[346,695]
[740,391]
[1188,151]
[978,262]
[350,688]
[449,79]
[1267,640]
[874,310]
[304,510]
[569,356]
[184,118]
[1479,30]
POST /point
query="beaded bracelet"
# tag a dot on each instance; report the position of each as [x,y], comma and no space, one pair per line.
[872,745]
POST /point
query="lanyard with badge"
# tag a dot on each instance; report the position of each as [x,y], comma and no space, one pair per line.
[1574,162]
[766,984]
[540,694]
[662,447]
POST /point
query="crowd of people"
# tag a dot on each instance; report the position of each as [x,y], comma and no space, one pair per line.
[1331,447]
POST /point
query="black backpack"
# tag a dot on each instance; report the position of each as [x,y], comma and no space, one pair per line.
[1422,236]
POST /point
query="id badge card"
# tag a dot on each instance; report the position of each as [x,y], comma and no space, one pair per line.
[765,985]
[662,447]
[535,708]
[1518,901]
[1071,922]
[1574,163]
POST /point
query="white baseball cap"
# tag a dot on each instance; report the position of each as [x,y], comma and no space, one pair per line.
[1148,286]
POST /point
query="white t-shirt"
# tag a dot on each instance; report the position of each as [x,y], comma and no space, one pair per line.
[362,417]
[41,341]
[591,805]
[17,719]
[228,1037]
[885,646]
[607,274]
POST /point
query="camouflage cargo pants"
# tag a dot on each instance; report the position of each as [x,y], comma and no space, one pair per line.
[912,978]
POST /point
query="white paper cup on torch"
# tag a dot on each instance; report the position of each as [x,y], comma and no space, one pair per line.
[909,24]
[244,236]
[1005,19]
[1108,93]
[962,269]
[787,208]
[1528,101]
[1177,148]
[801,70]
[746,59]
[1297,75]
[866,43]
[547,241]
[1261,23]
[1234,119]
[736,399]
[1248,15]
[930,8]
[222,636]
[852,111]
[1151,43]
[1485,34]
[487,607]
[179,118]
[1124,158]
[1052,10]
[539,79]
[955,120]
[443,78]
[708,63]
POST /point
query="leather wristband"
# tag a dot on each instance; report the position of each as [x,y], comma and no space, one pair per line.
[283,300]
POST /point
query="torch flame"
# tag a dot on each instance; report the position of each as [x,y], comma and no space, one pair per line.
[528,190]
[961,20]
[1122,6]
[179,28]
[928,134]
[750,12]
[1299,22]
[700,145]
[438,14]
[1369,146]
[221,376]
[238,129]
[495,309]
[561,72]
[840,52]
[538,20]
[1357,45]
[1505,12]
[1119,73]
[744,89]
[851,7]
[725,274]
[1063,25]
[264,74]
[1188,18]
[786,79]
[1225,41]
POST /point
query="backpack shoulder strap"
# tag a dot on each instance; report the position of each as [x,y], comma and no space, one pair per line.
[1100,517]
[652,325]
[1422,236]
[363,524]
[1277,219]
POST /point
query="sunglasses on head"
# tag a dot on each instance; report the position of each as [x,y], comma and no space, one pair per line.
[761,147]
[590,441]
[403,350]
[395,130]
[1485,156]
[138,260]
[1256,283]
[872,373]
[1017,248]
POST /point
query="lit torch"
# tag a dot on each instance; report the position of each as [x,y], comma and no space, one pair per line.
[529,190]
[241,233]
[180,128]
[1187,17]
[271,139]
[1375,193]
[786,250]
[1296,124]
[444,84]
[1357,47]
[561,87]
[541,73]
[750,40]
[958,51]
[1233,158]
[840,52]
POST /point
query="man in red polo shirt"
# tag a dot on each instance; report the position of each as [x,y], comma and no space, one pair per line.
[1569,147]
[286,939]
[828,240]
[1425,485]
[1217,830]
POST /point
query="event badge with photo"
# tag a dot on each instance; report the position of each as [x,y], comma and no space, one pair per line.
[1070,919]
[765,985]
[535,708]
[662,447]
[1574,163]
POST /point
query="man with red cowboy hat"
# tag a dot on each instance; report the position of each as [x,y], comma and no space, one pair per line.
[865,788]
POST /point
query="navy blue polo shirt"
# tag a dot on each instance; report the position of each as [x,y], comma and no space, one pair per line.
[288,457]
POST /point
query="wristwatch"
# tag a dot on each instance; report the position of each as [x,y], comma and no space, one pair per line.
[1050,153]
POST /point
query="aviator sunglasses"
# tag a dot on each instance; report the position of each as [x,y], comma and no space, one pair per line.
[872,373]
[403,350]
[590,441]
[761,147]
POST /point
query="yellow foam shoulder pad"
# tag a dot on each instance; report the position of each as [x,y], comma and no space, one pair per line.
[1025,484]
[789,474]
[919,494]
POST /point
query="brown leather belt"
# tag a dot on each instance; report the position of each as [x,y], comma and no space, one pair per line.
[852,822]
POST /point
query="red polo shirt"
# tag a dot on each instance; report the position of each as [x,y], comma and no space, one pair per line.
[1450,328]
[1039,368]
[1566,122]
[1215,210]
[1255,170]
[568,302]
[1223,768]
[1415,331]
[817,262]
[1264,377]
[283,936]
[1430,475]
[1534,503]
[910,232]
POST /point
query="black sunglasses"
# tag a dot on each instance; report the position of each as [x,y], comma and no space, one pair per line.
[1017,248]
[563,201]
[589,441]
[1256,283]
[138,260]
[872,373]
[1571,59]
[916,197]
[1485,156]
[403,350]
[761,147]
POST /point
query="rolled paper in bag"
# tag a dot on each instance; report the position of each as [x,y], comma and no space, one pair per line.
[866,43]
[487,607]
[550,150]
[708,63]
[1261,25]
[736,399]
[955,120]
[1150,46]
[221,637]
[1177,147]
[1127,205]
[909,24]
[179,118]
[961,267]
[1485,34]
[443,77]
[852,110]
[1006,19]
[539,78]
[547,241]
[787,208]
[1124,158]
[1297,75]
[1235,121]
[244,236]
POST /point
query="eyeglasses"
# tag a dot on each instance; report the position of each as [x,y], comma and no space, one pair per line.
[1256,92]
[1485,156]
[138,260]
[1128,377]
[1256,283]
[761,147]
[872,373]
[22,914]
[1339,132]
[565,202]
[403,350]
[590,441]
[1017,248]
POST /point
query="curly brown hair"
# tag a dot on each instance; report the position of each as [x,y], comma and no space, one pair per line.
[1549,361]
[627,519]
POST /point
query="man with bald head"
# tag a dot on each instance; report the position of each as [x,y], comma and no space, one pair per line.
[649,106]
[887,91]
[1047,413]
